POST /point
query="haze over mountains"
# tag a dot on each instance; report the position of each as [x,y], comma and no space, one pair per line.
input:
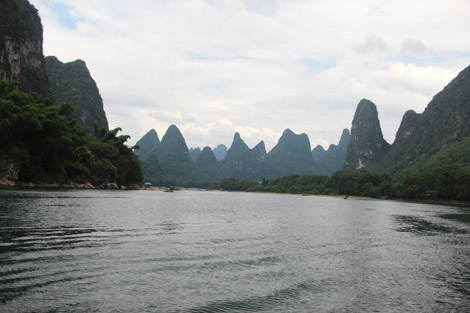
[291,155]
[438,136]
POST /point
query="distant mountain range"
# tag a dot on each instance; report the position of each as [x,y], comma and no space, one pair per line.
[291,155]
[438,136]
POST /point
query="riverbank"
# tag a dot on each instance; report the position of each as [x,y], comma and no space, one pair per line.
[5,183]
[424,201]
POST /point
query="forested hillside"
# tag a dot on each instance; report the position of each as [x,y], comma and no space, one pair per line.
[42,142]
[71,82]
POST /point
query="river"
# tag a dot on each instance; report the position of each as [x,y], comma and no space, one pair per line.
[201,251]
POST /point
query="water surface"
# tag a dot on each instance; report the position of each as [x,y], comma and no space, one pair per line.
[189,251]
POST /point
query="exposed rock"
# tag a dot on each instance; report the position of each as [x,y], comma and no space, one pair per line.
[444,122]
[445,119]
[21,56]
[7,182]
[9,171]
[113,186]
[367,143]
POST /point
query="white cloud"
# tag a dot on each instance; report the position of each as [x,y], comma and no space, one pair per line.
[213,67]
[373,43]
[414,46]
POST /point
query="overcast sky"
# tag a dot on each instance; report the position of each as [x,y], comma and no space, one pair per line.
[213,67]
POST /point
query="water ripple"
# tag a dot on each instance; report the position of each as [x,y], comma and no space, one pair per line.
[97,251]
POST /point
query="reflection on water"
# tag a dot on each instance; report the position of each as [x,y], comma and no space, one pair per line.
[149,251]
[461,217]
[420,226]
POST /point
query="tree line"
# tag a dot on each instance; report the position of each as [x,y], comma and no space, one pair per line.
[449,182]
[49,145]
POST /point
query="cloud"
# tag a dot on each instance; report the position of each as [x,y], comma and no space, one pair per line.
[216,66]
[373,43]
[262,6]
[414,46]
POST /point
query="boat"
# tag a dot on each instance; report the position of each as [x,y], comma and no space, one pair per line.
[169,189]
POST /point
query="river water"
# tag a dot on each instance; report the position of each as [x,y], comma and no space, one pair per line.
[200,251]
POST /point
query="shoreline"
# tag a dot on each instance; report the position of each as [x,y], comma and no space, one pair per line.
[5,183]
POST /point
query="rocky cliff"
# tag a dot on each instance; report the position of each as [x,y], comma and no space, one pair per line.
[367,143]
[21,39]
[71,82]
[445,120]
[443,125]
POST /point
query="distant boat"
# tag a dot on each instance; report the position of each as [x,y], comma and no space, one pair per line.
[346,197]
[169,189]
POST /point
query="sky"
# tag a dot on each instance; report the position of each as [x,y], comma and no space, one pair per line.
[257,67]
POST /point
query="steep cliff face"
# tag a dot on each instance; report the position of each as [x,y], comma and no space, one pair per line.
[445,120]
[71,82]
[21,54]
[367,143]
[421,137]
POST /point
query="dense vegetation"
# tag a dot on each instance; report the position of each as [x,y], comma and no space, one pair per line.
[438,136]
[71,82]
[48,144]
[450,182]
[292,154]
